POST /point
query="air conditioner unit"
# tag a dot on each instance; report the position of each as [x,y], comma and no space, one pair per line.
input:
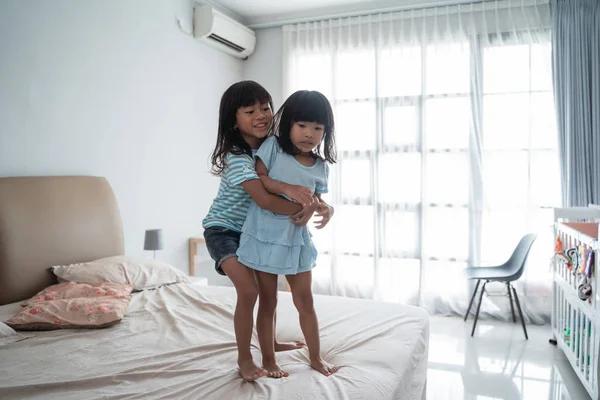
[222,32]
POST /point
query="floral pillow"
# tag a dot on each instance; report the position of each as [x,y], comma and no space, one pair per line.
[73,290]
[74,305]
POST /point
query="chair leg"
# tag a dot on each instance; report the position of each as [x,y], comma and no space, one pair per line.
[472,298]
[478,307]
[512,307]
[520,313]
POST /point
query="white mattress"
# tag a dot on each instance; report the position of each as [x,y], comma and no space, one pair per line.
[177,342]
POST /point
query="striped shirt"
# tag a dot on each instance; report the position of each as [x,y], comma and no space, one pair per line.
[230,207]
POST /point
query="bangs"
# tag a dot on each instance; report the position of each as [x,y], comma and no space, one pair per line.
[249,92]
[310,106]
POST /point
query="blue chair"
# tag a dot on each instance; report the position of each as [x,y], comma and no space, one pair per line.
[508,272]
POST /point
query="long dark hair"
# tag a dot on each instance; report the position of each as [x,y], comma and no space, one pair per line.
[306,106]
[229,139]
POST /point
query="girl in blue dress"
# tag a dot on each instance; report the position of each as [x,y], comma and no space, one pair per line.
[245,119]
[298,155]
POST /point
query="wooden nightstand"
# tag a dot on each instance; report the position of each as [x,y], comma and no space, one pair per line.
[193,250]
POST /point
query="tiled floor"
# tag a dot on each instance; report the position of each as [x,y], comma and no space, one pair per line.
[498,363]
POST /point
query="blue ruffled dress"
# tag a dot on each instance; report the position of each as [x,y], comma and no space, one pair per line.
[270,242]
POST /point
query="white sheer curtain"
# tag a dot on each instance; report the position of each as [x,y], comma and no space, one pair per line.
[447,142]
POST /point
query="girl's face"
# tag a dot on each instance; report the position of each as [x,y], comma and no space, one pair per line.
[254,121]
[306,135]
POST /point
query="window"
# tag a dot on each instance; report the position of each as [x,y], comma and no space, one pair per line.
[441,147]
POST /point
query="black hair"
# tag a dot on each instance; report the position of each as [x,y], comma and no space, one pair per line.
[306,106]
[229,139]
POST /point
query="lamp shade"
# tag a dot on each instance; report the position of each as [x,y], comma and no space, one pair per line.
[153,239]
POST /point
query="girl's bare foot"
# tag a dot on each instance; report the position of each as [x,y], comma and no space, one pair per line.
[323,367]
[250,371]
[273,370]
[298,344]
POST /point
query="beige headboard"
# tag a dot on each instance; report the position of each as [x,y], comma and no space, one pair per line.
[46,221]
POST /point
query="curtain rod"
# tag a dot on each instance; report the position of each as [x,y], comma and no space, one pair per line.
[441,3]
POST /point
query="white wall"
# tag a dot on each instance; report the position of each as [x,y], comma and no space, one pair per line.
[114,88]
[265,65]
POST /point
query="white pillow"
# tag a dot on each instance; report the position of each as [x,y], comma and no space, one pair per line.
[9,335]
[142,273]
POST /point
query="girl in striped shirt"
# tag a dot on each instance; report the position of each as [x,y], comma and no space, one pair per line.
[245,117]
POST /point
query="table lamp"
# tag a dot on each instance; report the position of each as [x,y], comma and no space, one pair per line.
[153,240]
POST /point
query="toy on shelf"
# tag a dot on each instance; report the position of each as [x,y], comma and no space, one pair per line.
[580,261]
[561,254]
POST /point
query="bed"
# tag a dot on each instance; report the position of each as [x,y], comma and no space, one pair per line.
[177,341]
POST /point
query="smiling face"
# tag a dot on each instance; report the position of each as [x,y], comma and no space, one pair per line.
[306,136]
[254,122]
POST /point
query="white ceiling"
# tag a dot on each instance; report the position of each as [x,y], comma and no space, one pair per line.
[262,13]
[260,8]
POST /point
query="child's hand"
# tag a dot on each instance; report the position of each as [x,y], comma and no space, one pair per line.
[325,211]
[299,194]
[302,218]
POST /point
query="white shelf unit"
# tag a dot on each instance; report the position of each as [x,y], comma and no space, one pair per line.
[575,322]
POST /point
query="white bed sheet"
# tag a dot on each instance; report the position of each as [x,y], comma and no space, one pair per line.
[177,342]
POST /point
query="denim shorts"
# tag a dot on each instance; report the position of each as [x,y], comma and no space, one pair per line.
[222,243]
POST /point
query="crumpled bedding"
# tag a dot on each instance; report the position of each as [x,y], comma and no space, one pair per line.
[177,342]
